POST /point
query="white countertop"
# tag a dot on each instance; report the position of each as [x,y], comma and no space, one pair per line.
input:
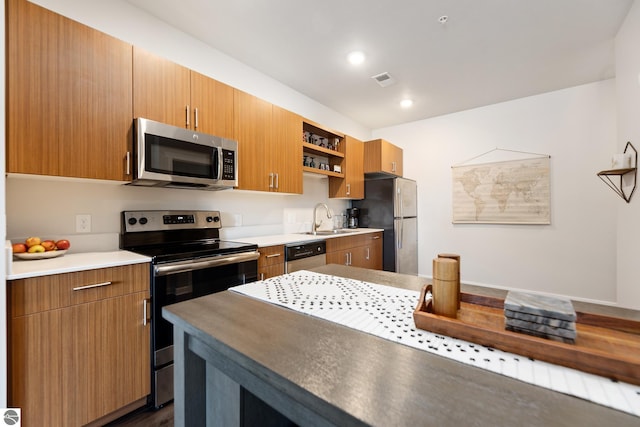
[285,239]
[21,269]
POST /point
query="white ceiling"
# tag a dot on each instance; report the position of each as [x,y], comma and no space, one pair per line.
[487,52]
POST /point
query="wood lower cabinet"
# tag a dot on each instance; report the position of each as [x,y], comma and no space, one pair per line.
[381,156]
[352,185]
[69,97]
[361,250]
[271,261]
[79,352]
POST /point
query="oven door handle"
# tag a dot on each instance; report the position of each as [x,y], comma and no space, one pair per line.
[181,267]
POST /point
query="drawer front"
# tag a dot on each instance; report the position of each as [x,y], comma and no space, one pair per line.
[346,242]
[37,294]
[271,255]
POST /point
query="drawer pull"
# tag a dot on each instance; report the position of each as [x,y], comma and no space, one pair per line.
[375,237]
[273,255]
[96,285]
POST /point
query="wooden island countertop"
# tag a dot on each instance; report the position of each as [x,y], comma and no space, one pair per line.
[230,348]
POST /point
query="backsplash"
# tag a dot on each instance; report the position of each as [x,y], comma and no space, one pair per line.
[47,207]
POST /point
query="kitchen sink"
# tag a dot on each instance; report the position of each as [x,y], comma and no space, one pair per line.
[327,232]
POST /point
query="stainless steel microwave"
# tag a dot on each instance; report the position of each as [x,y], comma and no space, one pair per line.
[170,156]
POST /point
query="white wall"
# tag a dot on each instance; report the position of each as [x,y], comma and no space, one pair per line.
[628,97]
[576,254]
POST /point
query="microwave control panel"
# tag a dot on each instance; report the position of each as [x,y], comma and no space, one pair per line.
[228,164]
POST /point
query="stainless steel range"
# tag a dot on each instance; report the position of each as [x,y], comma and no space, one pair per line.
[188,261]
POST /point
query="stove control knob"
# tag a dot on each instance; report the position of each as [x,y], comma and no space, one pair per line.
[132,221]
[143,220]
[213,219]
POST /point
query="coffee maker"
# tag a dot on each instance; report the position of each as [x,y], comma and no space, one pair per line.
[353,215]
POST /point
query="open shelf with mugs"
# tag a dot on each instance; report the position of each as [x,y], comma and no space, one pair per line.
[322,150]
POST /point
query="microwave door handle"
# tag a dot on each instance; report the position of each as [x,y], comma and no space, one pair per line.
[217,161]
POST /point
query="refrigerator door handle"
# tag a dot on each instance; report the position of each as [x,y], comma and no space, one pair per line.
[400,203]
[401,215]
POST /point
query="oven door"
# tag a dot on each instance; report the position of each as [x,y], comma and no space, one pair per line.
[181,281]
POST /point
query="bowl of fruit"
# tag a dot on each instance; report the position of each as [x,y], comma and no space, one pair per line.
[36,248]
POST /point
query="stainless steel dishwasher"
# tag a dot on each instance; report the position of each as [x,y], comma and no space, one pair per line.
[303,256]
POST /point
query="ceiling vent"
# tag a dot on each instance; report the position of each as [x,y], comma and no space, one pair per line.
[384,79]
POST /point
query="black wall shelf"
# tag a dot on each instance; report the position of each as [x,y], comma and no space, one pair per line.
[608,176]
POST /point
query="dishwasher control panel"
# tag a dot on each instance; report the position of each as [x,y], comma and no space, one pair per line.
[305,250]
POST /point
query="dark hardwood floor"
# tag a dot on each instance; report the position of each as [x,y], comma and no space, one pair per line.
[149,417]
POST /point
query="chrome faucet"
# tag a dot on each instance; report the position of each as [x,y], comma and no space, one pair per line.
[315,225]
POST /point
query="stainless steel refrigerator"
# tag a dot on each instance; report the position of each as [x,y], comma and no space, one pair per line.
[391,204]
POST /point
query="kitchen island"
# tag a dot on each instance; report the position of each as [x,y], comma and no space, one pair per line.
[238,357]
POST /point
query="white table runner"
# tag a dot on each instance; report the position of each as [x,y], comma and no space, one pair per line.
[387,312]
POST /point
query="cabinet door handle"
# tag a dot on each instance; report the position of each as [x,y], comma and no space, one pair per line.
[128,171]
[393,166]
[261,276]
[271,180]
[348,189]
[146,318]
[195,118]
[273,255]
[346,258]
[277,181]
[187,114]
[367,257]
[95,285]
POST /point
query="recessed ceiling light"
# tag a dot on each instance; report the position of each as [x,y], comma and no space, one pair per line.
[406,103]
[443,19]
[356,57]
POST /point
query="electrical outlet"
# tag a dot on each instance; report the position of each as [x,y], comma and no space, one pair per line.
[83,223]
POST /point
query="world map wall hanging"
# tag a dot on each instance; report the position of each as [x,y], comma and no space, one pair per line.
[502,192]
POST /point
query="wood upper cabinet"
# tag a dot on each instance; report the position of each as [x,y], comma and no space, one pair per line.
[161,89]
[352,185]
[269,151]
[271,261]
[361,250]
[69,97]
[170,93]
[381,156]
[212,105]
[78,353]
[253,130]
[286,153]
